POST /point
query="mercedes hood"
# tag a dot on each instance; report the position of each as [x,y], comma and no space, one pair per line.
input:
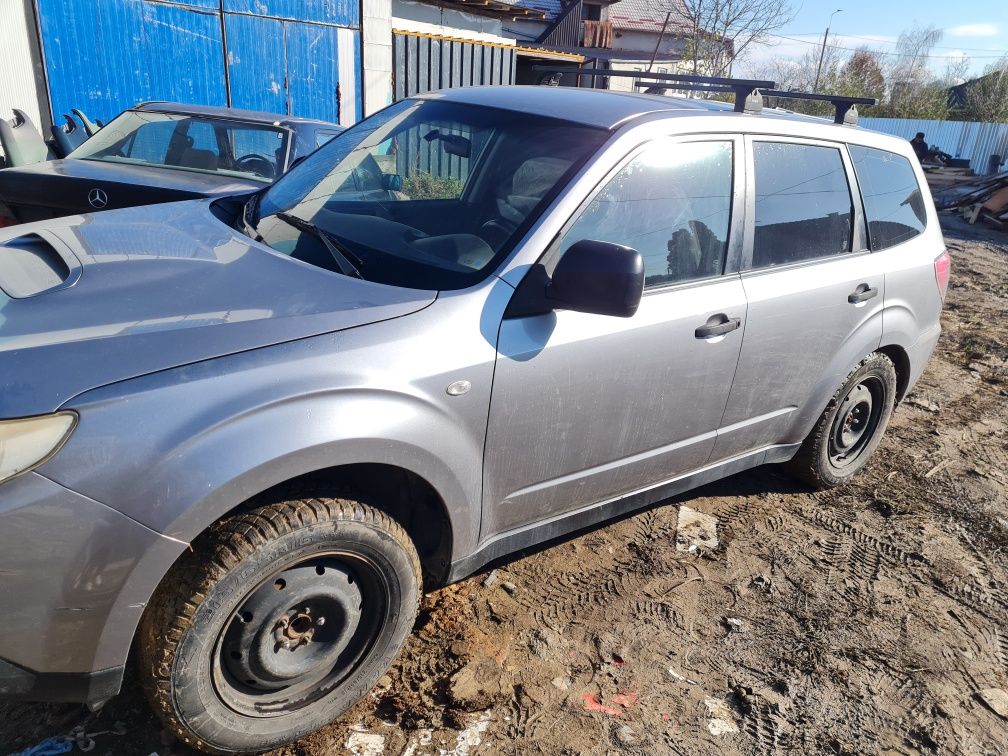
[90,300]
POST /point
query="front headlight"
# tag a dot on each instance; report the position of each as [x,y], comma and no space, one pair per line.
[29,442]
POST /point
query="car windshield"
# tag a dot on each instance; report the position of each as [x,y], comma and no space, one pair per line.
[424,194]
[189,142]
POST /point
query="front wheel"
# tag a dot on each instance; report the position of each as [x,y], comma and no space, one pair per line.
[276,622]
[851,427]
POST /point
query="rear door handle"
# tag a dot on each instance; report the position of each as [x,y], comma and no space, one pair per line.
[862,294]
[717,325]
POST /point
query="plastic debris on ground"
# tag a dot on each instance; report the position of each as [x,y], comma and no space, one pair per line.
[696,530]
[48,747]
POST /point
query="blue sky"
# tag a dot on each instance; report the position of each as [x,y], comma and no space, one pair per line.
[975,28]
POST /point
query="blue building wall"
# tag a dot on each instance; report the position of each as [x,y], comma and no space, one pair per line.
[297,57]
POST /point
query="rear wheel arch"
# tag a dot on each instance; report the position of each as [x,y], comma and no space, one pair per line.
[901,361]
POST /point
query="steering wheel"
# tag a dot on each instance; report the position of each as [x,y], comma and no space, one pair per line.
[257,164]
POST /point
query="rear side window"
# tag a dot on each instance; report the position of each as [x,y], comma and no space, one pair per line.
[893,201]
[803,204]
[672,203]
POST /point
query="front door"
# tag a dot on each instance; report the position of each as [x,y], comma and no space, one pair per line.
[589,407]
[814,291]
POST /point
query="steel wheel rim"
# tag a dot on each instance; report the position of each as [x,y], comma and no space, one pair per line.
[856,422]
[274,656]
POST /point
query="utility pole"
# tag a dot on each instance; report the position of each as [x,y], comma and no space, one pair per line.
[822,52]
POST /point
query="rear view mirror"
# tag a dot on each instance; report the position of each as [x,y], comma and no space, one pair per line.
[453,144]
[391,182]
[598,277]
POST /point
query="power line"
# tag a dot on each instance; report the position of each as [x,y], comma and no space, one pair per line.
[816,43]
[878,41]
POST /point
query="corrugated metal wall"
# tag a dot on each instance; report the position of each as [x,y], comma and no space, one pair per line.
[961,139]
[20,89]
[300,57]
[421,63]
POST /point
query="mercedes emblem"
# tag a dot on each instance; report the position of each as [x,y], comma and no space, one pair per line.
[97,198]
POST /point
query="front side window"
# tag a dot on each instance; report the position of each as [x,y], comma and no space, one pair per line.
[672,203]
[893,203]
[803,204]
[188,142]
[424,194]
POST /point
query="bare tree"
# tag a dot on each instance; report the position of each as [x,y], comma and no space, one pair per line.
[717,32]
[986,98]
[913,90]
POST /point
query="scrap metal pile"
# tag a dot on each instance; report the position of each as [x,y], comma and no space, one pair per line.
[982,199]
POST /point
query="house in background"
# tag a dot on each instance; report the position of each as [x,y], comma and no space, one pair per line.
[620,35]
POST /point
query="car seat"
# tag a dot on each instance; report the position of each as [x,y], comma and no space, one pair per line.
[90,127]
[21,142]
[528,185]
[67,136]
[201,159]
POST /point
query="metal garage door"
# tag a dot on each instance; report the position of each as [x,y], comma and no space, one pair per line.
[300,57]
[422,63]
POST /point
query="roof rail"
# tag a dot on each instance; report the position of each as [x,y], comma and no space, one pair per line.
[746,95]
[845,107]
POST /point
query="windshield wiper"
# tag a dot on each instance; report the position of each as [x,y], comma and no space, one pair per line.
[344,258]
[249,210]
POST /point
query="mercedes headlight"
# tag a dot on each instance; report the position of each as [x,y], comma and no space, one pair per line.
[29,442]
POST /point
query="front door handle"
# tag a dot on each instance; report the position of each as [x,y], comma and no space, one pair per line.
[717,325]
[862,293]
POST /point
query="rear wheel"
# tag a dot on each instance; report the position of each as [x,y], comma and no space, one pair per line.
[851,427]
[278,621]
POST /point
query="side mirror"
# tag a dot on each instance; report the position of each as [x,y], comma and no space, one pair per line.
[598,277]
[391,182]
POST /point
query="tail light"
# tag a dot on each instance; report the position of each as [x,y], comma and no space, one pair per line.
[943,267]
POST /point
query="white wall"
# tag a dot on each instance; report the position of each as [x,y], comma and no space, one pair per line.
[431,19]
[18,87]
[626,84]
[376,32]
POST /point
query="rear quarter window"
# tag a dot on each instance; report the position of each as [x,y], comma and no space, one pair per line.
[893,203]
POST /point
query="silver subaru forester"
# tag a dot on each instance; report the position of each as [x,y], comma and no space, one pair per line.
[246,434]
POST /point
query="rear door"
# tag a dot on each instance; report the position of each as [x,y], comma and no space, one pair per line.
[590,407]
[815,292]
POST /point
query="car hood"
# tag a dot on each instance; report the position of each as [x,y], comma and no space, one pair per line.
[90,300]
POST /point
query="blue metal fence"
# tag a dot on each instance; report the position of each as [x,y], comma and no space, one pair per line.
[297,57]
[969,140]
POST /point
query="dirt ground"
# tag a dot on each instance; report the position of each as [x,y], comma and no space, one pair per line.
[869,619]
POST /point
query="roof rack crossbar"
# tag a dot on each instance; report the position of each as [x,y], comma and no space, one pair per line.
[749,93]
[744,89]
[845,107]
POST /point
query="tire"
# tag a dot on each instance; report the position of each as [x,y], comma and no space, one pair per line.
[276,622]
[850,428]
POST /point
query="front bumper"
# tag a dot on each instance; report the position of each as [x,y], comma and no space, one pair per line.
[75,576]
